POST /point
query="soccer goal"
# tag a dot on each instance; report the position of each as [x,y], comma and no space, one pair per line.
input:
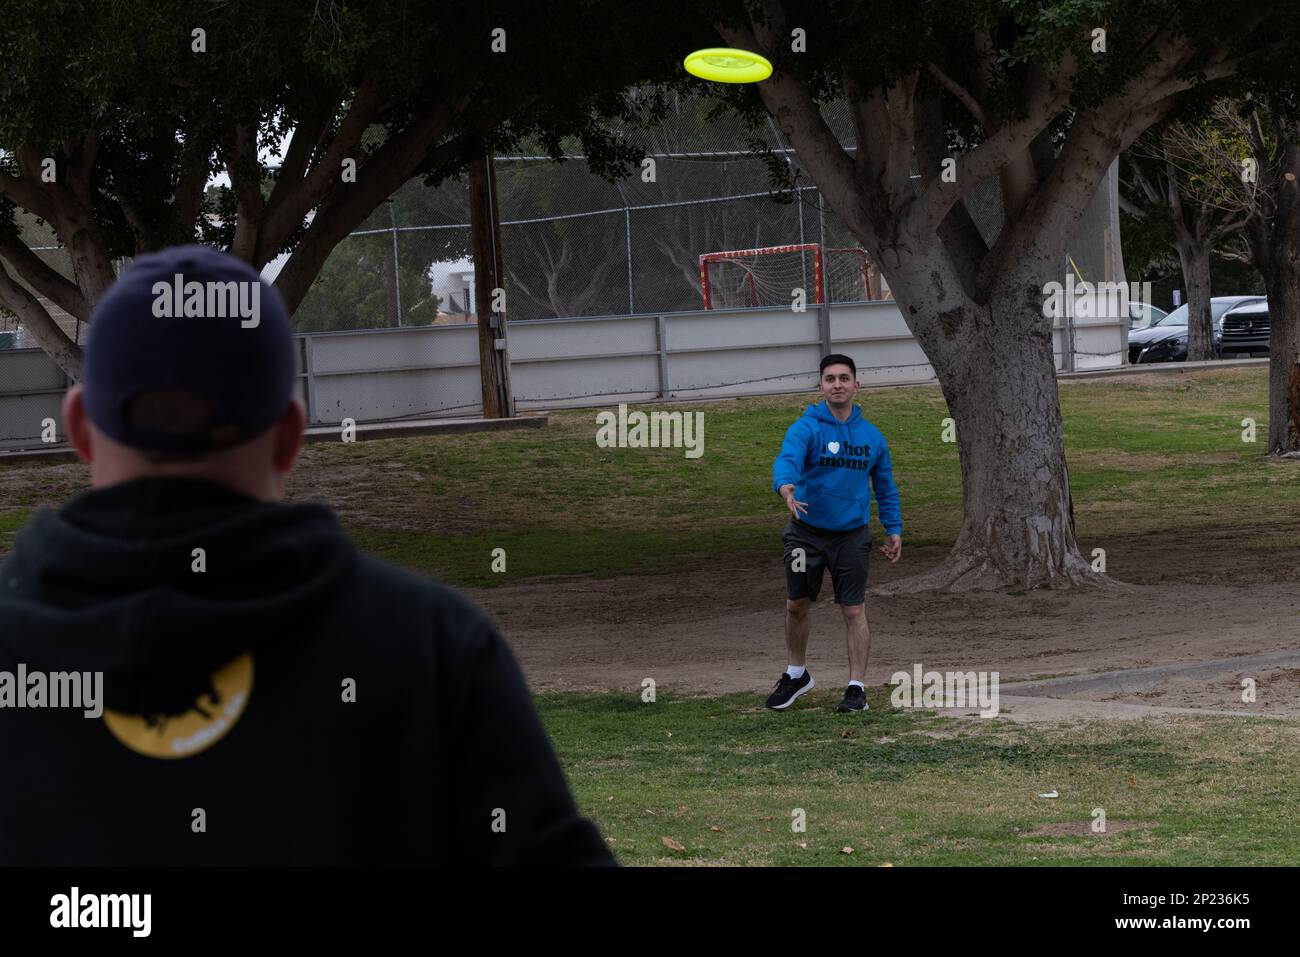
[736,278]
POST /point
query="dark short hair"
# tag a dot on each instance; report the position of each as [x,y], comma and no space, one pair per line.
[836,359]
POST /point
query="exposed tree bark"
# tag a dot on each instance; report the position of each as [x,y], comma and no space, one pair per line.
[1194,256]
[1284,357]
[1282,280]
[1272,245]
[246,179]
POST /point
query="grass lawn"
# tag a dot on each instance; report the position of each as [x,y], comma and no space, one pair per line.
[1142,458]
[722,777]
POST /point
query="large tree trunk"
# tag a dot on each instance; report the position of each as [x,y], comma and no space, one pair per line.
[996,367]
[1284,353]
[1276,248]
[1195,258]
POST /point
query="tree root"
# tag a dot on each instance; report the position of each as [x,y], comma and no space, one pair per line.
[974,570]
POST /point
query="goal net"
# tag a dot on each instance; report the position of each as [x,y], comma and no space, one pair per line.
[739,278]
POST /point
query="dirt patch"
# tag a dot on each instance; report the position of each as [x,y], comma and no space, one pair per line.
[717,627]
[1084,829]
[30,485]
[1275,691]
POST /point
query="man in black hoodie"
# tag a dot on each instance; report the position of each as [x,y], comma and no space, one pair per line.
[269,695]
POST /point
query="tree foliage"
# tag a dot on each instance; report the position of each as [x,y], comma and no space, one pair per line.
[137,105]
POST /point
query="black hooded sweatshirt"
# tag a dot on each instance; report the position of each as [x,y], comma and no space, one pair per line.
[439,758]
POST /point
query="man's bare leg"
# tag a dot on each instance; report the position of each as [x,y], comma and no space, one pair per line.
[859,639]
[797,622]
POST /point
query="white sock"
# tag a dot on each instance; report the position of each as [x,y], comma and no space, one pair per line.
[795,671]
[858,683]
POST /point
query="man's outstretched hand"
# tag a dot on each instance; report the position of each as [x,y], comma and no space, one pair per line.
[893,548]
[795,507]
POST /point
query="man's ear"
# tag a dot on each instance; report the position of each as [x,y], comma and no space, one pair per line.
[76,424]
[289,436]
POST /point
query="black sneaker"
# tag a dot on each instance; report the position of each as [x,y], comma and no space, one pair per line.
[787,689]
[855,699]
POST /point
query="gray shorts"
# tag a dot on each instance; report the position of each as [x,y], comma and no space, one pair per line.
[845,553]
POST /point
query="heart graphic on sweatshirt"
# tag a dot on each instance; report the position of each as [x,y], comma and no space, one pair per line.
[833,447]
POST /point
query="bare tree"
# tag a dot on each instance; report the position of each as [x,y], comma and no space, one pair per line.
[1189,171]
[1244,159]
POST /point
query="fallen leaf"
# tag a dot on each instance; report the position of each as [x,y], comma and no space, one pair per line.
[1132,781]
[846,850]
[846,733]
[802,844]
[718,830]
[669,733]
[673,845]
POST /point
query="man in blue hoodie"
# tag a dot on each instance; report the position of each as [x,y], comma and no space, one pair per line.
[830,461]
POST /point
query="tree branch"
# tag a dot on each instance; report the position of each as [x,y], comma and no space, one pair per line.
[389,167]
[187,195]
[40,325]
[960,92]
[307,138]
[43,277]
[300,196]
[791,104]
[246,178]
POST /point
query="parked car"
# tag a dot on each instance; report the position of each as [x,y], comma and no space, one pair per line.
[1166,339]
[1245,330]
[1143,315]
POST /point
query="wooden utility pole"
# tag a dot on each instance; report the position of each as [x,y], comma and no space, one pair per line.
[485,245]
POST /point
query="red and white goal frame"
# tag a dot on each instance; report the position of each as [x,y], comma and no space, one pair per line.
[870,279]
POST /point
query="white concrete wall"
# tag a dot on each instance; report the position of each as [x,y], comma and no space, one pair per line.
[421,372]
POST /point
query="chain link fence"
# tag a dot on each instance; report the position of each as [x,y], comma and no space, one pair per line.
[575,244]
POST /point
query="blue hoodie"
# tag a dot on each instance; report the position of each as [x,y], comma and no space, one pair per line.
[828,461]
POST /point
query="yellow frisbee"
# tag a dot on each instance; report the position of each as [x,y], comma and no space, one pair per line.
[723,65]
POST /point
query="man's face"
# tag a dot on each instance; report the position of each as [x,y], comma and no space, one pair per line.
[838,384]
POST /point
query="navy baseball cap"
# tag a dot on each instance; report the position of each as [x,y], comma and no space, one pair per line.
[188,351]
